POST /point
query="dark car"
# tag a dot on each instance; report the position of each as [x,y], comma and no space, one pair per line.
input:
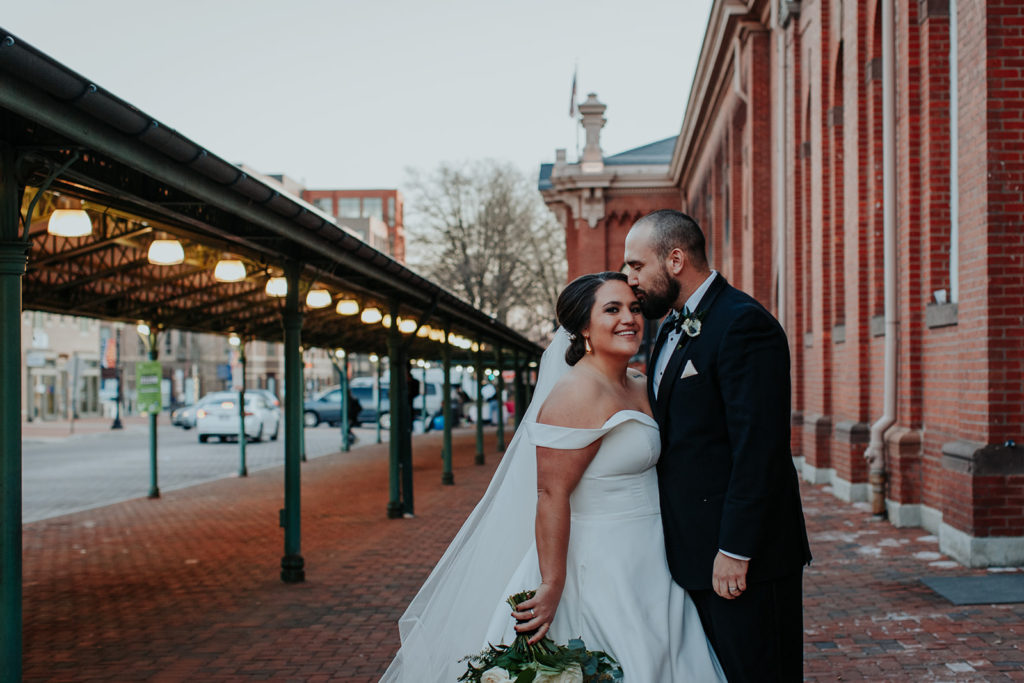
[368,409]
[324,408]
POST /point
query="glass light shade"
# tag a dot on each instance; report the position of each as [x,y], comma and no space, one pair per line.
[374,358]
[340,353]
[277,286]
[437,335]
[234,340]
[347,307]
[229,270]
[406,326]
[69,223]
[370,316]
[143,329]
[166,253]
[386,321]
[318,298]
[424,331]
[475,347]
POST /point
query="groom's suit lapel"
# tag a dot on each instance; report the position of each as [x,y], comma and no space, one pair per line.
[658,343]
[684,348]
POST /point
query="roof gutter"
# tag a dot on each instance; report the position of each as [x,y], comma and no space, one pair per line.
[20,97]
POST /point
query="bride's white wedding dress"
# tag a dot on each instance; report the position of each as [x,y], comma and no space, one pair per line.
[619,596]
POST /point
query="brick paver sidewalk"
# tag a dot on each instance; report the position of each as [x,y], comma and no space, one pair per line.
[186,587]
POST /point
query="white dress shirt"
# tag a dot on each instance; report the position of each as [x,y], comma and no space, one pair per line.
[661,362]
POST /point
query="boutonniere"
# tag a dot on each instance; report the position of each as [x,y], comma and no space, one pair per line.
[690,323]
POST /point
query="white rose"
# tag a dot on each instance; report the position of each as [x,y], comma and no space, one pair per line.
[495,675]
[571,675]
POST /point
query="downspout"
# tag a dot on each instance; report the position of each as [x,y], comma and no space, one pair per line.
[954,153]
[781,272]
[876,448]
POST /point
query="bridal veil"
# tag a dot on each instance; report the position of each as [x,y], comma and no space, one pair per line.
[449,617]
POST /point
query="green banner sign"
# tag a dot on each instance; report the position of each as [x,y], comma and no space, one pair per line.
[148,376]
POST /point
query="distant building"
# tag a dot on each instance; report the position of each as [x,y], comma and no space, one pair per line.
[60,366]
[373,214]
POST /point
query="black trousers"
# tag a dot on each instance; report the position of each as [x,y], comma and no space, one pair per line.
[759,636]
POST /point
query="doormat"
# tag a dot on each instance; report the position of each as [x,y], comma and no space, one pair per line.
[978,590]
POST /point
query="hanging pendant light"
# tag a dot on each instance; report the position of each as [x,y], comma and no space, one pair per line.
[347,307]
[371,316]
[229,270]
[166,252]
[69,223]
[407,326]
[277,287]
[318,298]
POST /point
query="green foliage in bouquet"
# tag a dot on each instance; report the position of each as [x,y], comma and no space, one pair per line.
[543,661]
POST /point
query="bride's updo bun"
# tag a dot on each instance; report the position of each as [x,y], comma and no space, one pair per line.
[573,309]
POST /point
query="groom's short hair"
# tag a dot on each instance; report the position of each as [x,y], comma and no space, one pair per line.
[672,229]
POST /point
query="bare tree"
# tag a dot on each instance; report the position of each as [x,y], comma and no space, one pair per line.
[482,230]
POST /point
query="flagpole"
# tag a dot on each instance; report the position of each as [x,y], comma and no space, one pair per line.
[572,107]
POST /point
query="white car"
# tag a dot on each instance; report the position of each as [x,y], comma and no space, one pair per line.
[219,418]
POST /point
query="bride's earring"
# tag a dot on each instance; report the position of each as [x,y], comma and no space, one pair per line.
[586,343]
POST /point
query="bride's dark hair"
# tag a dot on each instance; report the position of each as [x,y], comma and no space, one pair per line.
[573,309]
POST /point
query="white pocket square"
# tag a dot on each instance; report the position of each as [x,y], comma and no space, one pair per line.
[689,370]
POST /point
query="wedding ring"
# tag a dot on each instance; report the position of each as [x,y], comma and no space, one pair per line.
[532,614]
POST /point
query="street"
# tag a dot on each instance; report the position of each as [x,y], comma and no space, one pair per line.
[83,471]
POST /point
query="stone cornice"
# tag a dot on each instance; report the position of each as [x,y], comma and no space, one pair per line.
[728,18]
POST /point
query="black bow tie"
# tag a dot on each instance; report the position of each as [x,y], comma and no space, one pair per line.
[674,322]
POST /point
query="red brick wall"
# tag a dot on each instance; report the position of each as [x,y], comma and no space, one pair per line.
[962,381]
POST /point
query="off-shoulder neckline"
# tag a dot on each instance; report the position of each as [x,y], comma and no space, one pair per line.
[645,418]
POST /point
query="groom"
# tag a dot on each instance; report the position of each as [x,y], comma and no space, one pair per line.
[719,385]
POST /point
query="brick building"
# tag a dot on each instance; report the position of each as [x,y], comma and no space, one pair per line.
[375,215]
[858,168]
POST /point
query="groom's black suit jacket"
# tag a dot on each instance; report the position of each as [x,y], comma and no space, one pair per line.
[726,473]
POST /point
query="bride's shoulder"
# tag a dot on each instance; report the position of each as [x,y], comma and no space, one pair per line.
[574,401]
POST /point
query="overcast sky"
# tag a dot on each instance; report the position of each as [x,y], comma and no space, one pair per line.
[350,94]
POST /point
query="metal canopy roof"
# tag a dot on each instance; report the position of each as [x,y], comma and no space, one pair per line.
[138,177]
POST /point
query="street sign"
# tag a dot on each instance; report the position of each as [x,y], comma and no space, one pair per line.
[148,376]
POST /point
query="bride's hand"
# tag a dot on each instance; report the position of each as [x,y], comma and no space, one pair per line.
[538,612]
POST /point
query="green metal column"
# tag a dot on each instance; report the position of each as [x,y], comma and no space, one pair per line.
[302,395]
[405,438]
[447,478]
[344,401]
[394,363]
[501,398]
[292,564]
[242,469]
[376,393]
[13,259]
[480,403]
[519,389]
[154,353]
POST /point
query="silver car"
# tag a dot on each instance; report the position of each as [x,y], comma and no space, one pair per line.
[219,417]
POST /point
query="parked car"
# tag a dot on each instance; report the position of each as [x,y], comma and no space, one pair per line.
[219,417]
[185,416]
[325,407]
[362,389]
[368,414]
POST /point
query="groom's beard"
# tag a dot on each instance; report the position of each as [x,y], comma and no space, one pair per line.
[657,301]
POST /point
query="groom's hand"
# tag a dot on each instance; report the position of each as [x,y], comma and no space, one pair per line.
[729,576]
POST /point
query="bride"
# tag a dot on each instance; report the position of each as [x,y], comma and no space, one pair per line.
[572,512]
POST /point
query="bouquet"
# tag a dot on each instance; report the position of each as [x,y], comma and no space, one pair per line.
[542,662]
